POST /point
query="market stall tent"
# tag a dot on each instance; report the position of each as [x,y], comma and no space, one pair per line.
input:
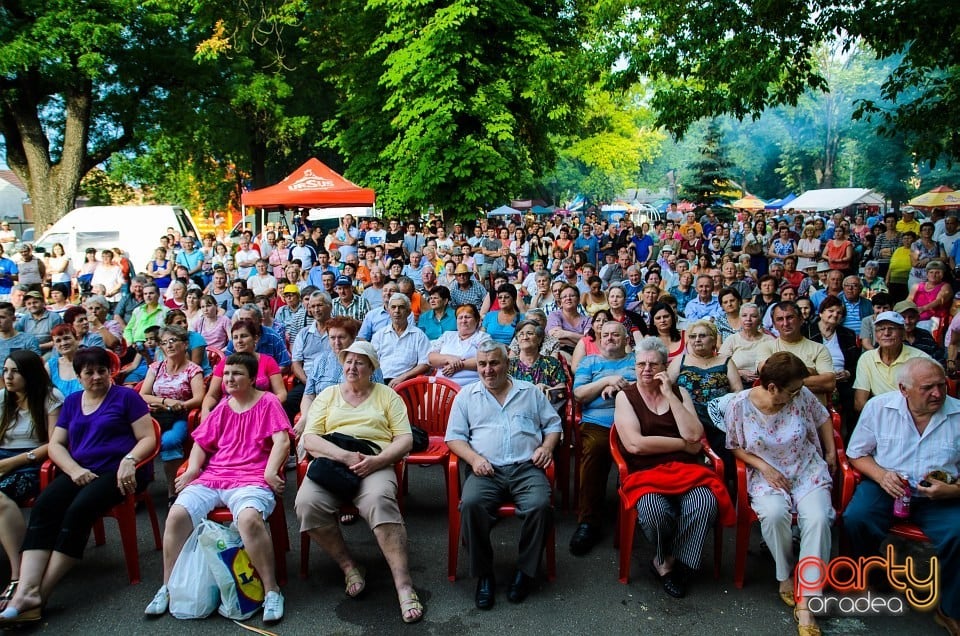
[834,199]
[312,185]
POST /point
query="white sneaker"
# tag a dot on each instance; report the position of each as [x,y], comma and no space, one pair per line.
[161,601]
[272,607]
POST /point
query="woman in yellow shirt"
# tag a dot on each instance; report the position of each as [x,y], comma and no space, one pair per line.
[373,415]
[899,272]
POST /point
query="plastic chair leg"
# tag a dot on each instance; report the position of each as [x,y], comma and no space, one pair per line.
[628,524]
[453,542]
[740,562]
[127,521]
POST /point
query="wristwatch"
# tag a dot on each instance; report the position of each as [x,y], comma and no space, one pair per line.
[131,458]
[32,457]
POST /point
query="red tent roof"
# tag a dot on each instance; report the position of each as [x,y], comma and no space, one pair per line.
[311,185]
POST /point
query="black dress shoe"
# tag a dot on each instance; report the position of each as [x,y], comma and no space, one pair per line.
[486,592]
[584,539]
[520,588]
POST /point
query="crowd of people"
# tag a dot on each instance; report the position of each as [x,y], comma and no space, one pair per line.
[684,335]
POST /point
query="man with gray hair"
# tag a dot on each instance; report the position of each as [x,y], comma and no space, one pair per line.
[378,318]
[506,430]
[310,343]
[905,446]
[596,383]
[402,347]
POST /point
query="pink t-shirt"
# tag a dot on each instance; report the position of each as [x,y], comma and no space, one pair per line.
[217,334]
[267,368]
[238,445]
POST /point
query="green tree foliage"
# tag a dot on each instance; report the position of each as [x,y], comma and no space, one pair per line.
[604,159]
[739,58]
[80,81]
[466,101]
[709,175]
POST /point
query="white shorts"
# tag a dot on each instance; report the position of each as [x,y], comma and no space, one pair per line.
[199,500]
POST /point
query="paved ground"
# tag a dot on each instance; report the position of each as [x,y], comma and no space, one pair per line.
[585,598]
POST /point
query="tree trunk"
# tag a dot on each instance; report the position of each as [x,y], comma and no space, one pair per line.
[52,187]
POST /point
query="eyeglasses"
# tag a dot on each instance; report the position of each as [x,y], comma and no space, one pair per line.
[169,343]
[699,336]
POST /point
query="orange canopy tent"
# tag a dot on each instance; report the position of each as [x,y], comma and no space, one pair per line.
[312,185]
[939,197]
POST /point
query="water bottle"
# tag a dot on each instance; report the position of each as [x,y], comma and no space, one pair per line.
[901,505]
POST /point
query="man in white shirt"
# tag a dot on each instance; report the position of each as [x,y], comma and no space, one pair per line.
[375,235]
[910,435]
[245,258]
[402,347]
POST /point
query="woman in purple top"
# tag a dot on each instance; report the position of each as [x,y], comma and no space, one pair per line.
[236,461]
[567,324]
[103,432]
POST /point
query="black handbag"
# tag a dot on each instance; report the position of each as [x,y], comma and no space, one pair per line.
[335,477]
[421,439]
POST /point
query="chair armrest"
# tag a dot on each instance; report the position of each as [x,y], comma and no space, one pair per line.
[618,459]
[715,460]
[742,497]
[48,470]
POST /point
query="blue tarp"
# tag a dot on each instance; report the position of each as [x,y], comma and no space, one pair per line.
[777,204]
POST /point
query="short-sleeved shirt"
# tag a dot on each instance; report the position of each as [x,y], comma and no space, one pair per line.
[450,343]
[100,440]
[599,410]
[400,353]
[238,445]
[308,345]
[876,377]
[22,432]
[787,440]
[887,432]
[272,344]
[813,354]
[378,419]
[267,367]
[434,327]
[174,386]
[504,434]
[18,342]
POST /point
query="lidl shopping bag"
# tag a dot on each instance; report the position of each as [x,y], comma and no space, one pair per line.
[241,590]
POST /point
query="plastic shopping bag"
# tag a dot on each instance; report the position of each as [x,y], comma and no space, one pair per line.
[241,590]
[193,590]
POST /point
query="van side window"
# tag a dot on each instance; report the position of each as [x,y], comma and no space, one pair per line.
[97,240]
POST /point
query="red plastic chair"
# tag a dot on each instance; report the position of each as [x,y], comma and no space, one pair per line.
[746,517]
[278,530]
[429,400]
[505,510]
[627,514]
[214,355]
[125,513]
[569,447]
[347,509]
[901,529]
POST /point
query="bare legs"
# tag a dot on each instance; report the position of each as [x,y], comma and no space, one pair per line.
[40,571]
[392,539]
[12,530]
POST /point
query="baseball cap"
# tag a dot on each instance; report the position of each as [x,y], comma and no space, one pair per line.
[343,281]
[291,289]
[34,294]
[905,305]
[889,316]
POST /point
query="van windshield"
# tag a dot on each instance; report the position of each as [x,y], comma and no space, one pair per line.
[46,245]
[97,240]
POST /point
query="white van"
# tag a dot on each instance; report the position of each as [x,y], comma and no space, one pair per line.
[135,228]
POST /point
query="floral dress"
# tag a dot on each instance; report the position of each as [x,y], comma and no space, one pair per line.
[786,440]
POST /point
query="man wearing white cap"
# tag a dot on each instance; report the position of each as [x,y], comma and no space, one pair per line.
[877,368]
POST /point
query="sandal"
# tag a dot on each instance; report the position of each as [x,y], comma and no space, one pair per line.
[13,616]
[673,581]
[8,593]
[787,598]
[411,605]
[354,578]
[805,630]
[347,520]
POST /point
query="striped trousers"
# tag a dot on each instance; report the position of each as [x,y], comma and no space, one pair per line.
[678,524]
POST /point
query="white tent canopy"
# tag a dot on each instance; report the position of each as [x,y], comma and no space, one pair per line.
[834,199]
[503,210]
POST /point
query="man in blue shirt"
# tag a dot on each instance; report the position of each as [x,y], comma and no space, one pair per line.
[8,274]
[587,244]
[705,305]
[270,343]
